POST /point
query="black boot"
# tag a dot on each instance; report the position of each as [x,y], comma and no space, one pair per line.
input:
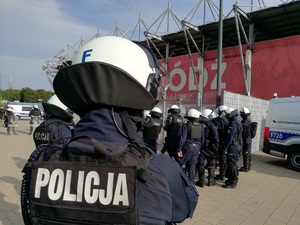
[220,177]
[231,182]
[249,164]
[200,183]
[229,185]
[244,168]
[201,177]
[211,174]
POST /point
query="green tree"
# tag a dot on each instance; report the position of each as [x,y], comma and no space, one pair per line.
[43,95]
[25,95]
[10,95]
[28,95]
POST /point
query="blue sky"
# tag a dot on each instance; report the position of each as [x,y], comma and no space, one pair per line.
[34,31]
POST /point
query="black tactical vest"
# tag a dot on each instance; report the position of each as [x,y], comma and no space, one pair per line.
[152,132]
[174,129]
[195,130]
[43,134]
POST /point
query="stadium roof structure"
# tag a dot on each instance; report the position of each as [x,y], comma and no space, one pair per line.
[265,24]
[244,28]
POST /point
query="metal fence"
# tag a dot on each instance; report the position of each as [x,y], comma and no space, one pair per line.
[258,108]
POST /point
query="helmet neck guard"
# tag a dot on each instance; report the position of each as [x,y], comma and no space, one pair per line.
[84,86]
[54,110]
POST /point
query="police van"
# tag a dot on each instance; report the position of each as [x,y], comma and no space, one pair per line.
[282,130]
[22,109]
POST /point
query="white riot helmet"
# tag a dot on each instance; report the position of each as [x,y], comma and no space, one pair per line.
[244,112]
[174,109]
[112,71]
[193,114]
[55,101]
[230,112]
[35,106]
[207,113]
[56,108]
[156,112]
[220,109]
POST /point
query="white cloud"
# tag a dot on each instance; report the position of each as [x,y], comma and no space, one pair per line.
[32,32]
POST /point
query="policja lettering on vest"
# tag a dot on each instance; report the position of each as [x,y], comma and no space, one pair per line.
[85,185]
[42,136]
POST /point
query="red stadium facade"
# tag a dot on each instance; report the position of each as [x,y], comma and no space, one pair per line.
[275,69]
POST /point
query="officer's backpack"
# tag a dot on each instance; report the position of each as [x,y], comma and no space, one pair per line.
[253,129]
[78,181]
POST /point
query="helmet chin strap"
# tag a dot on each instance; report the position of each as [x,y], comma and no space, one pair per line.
[131,128]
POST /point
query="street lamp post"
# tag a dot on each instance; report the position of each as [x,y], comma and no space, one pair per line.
[220,44]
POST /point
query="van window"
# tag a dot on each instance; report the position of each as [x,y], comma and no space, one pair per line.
[26,108]
[286,112]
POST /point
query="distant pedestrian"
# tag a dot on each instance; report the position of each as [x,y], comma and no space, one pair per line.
[35,116]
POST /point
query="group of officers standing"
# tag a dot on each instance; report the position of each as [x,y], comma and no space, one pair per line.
[197,140]
[206,139]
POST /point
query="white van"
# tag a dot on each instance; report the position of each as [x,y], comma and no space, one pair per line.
[282,130]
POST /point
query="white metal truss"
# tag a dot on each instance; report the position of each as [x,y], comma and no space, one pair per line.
[159,28]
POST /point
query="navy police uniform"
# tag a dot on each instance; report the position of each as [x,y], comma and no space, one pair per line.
[221,123]
[109,135]
[232,150]
[247,143]
[191,140]
[172,127]
[151,132]
[105,174]
[52,129]
[208,152]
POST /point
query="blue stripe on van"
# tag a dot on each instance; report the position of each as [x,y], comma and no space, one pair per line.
[282,136]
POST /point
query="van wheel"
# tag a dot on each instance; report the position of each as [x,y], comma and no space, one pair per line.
[294,160]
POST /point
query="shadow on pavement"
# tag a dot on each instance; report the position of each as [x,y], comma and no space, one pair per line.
[271,165]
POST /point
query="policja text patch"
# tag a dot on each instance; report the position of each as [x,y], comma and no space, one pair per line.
[86,187]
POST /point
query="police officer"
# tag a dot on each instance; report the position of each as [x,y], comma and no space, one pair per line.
[172,127]
[151,132]
[221,123]
[95,87]
[35,116]
[209,150]
[232,147]
[191,140]
[58,123]
[247,140]
[10,121]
